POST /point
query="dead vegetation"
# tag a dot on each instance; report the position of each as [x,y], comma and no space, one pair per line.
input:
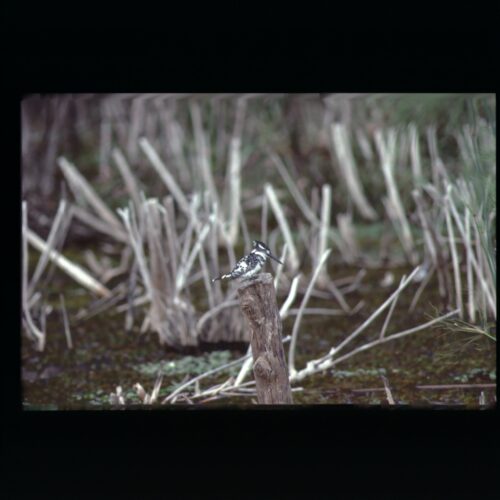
[200,181]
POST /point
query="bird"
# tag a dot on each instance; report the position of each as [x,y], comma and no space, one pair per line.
[250,265]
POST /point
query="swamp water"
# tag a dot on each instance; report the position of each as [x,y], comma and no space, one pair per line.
[105,356]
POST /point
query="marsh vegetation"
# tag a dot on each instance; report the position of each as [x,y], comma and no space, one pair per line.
[382,207]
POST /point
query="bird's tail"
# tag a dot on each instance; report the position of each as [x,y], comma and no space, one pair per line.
[222,277]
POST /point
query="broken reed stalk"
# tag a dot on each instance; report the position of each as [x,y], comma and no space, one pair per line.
[416,165]
[44,257]
[202,152]
[165,175]
[234,170]
[294,190]
[454,257]
[283,224]
[127,176]
[73,270]
[362,327]
[489,293]
[326,203]
[313,367]
[471,307]
[67,331]
[295,331]
[32,328]
[80,186]
[258,305]
[387,154]
[343,150]
[391,310]
[349,245]
[388,391]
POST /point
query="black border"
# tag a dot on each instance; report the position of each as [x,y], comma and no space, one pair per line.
[46,64]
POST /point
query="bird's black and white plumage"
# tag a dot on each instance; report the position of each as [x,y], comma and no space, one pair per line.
[250,265]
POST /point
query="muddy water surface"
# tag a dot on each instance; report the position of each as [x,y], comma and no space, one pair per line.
[105,356]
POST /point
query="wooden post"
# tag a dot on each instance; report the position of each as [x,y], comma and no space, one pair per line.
[258,305]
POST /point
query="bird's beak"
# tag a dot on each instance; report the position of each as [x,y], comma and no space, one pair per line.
[274,258]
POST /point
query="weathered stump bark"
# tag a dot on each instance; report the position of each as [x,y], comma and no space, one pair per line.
[258,305]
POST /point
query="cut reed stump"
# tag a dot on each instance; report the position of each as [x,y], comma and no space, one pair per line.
[259,307]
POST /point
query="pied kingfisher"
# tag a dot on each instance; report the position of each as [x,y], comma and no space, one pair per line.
[248,266]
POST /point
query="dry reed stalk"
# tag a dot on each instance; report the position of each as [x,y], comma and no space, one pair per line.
[317,311]
[438,168]
[308,242]
[102,304]
[471,306]
[51,243]
[93,263]
[353,284]
[67,331]
[295,330]
[396,223]
[313,366]
[159,275]
[294,190]
[367,322]
[416,164]
[234,172]
[165,175]
[129,219]
[482,399]
[454,257]
[433,242]
[171,234]
[455,386]
[80,186]
[350,280]
[343,150]
[391,310]
[280,268]
[137,112]
[246,233]
[283,224]
[480,275]
[104,149]
[291,297]
[97,224]
[128,176]
[213,312]
[364,144]
[485,261]
[403,152]
[33,330]
[187,236]
[387,154]
[388,391]
[263,219]
[417,196]
[186,266]
[421,288]
[122,268]
[202,153]
[116,398]
[74,271]
[326,204]
[339,297]
[183,386]
[175,142]
[346,230]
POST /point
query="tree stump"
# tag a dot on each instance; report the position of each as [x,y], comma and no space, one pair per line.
[258,305]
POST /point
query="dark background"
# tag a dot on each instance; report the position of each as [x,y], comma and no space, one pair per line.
[79,451]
